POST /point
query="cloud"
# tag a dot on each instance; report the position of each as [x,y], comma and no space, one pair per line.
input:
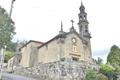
[102,54]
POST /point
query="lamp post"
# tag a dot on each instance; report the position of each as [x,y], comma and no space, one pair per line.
[1,62]
[12,2]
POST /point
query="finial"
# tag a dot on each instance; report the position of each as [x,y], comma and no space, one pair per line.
[82,8]
[13,1]
[72,22]
[61,26]
[81,3]
[72,28]
[61,31]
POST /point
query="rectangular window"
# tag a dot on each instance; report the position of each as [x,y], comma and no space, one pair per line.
[74,48]
[86,28]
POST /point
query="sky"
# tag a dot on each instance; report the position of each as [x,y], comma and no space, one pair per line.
[40,20]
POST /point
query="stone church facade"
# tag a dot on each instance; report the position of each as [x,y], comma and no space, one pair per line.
[70,45]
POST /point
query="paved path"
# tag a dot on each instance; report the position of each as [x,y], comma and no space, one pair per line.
[6,76]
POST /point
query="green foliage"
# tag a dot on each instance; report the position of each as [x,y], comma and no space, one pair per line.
[101,77]
[117,70]
[8,55]
[91,75]
[6,28]
[11,46]
[107,69]
[114,56]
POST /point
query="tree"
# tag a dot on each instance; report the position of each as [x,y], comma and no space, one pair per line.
[8,55]
[6,28]
[91,75]
[99,61]
[101,77]
[11,46]
[94,75]
[107,70]
[114,56]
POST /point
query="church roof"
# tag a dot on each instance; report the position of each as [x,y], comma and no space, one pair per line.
[63,36]
[56,37]
[30,42]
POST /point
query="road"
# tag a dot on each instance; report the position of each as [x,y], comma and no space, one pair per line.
[6,76]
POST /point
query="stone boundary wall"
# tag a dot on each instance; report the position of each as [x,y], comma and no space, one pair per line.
[61,70]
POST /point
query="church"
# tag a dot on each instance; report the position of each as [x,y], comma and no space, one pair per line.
[70,45]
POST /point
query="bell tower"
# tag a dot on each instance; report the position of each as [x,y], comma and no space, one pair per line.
[83,24]
[84,31]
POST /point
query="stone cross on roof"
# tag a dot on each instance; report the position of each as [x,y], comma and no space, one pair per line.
[72,28]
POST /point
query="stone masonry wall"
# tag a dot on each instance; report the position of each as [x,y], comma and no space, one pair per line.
[62,70]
